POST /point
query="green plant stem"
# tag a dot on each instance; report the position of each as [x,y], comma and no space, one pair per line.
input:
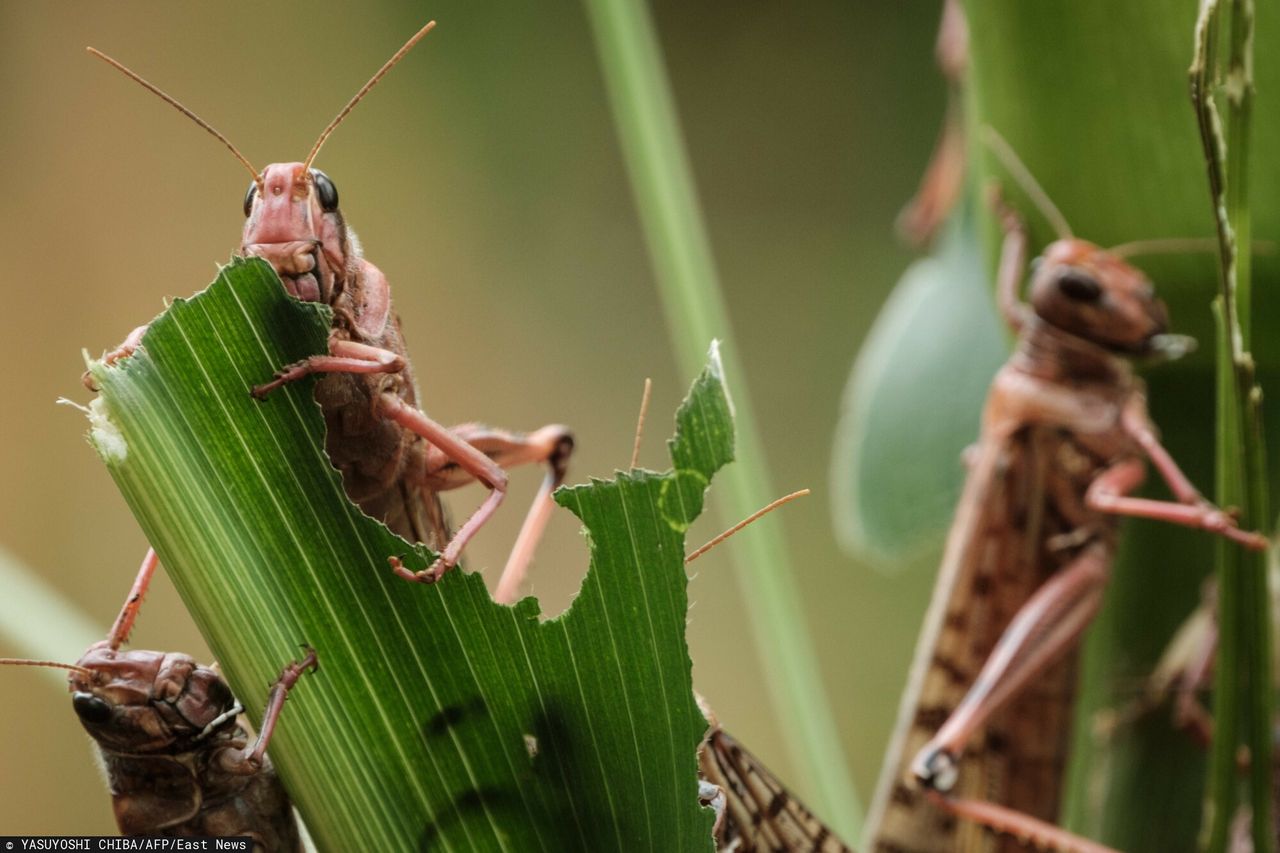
[663,185]
[1243,689]
[38,621]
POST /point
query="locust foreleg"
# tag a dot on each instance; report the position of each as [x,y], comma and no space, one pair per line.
[248,760]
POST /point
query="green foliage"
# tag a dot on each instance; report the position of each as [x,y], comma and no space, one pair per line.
[933,349]
[438,718]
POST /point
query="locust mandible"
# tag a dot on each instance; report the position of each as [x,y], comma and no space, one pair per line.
[394,458]
[1065,439]
[177,759]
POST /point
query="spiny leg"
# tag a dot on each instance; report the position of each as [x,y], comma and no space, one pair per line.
[119,633]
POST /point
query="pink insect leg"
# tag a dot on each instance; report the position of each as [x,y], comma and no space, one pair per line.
[119,634]
[344,357]
[458,456]
[551,445]
[1046,626]
[1024,827]
[1013,263]
[248,760]
[1109,492]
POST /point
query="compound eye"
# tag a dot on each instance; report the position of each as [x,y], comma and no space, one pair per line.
[248,197]
[90,708]
[1079,286]
[326,192]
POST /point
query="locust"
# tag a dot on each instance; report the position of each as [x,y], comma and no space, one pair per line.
[1065,439]
[395,460]
[754,810]
[176,755]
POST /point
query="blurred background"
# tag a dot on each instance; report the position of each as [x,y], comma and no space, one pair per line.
[485,179]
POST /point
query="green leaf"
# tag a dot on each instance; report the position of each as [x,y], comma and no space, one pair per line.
[438,719]
[913,402]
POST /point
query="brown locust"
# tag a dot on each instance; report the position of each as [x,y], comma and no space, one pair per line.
[394,458]
[175,752]
[1065,440]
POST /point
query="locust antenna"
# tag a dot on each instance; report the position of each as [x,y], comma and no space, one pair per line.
[52,664]
[173,102]
[644,410]
[1005,154]
[1182,245]
[373,81]
[741,524]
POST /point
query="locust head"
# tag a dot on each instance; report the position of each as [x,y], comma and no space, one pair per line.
[145,702]
[1093,294]
[293,222]
[291,209]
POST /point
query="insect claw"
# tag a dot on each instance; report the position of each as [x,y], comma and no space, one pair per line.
[429,575]
[935,769]
[260,392]
[309,660]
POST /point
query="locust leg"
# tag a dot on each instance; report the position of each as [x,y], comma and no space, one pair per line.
[344,357]
[119,634]
[943,179]
[1192,509]
[1109,492]
[456,458]
[1046,626]
[1013,263]
[551,445]
[123,351]
[248,760]
[1030,830]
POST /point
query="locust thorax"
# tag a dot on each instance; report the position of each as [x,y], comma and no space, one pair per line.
[293,223]
[149,702]
[1093,295]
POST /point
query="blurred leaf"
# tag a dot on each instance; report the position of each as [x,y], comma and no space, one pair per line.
[913,404]
[438,718]
[39,622]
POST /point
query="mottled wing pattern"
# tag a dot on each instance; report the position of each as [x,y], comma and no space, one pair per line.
[759,814]
[999,551]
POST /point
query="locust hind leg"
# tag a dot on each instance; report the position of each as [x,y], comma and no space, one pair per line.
[551,445]
[1047,625]
[1027,829]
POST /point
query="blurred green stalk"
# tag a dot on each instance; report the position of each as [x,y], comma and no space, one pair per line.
[1243,690]
[37,621]
[662,181]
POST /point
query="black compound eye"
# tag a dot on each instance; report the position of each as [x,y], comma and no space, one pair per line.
[90,708]
[325,191]
[248,197]
[1079,286]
